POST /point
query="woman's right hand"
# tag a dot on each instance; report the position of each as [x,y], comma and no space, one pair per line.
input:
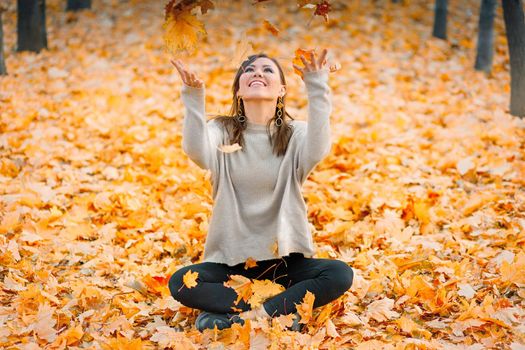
[188,77]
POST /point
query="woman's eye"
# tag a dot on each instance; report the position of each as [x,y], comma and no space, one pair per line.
[266,69]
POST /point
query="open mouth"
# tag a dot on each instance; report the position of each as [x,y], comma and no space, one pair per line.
[257,83]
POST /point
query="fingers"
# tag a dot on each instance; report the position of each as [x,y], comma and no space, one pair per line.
[188,77]
[306,63]
[300,69]
[322,59]
[314,64]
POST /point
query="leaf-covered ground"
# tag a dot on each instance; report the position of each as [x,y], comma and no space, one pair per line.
[422,194]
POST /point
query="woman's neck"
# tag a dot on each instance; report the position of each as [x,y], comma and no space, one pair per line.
[259,111]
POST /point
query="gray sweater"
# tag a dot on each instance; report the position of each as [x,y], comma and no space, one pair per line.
[258,211]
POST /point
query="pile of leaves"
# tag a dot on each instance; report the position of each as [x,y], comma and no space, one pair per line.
[422,193]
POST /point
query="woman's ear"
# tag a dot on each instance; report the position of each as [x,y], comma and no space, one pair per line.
[283,90]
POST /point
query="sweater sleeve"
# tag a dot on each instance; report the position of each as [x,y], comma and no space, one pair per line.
[200,138]
[316,144]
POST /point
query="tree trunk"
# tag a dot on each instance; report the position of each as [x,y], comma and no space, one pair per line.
[3,69]
[31,25]
[75,5]
[486,36]
[440,19]
[515,29]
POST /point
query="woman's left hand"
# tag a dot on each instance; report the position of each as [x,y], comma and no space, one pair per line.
[313,65]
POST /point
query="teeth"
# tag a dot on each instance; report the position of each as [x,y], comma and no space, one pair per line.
[256,82]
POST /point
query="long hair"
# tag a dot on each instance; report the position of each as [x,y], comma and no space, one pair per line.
[280,137]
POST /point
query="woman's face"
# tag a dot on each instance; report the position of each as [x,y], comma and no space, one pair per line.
[264,70]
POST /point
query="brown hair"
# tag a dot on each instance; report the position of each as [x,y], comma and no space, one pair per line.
[280,138]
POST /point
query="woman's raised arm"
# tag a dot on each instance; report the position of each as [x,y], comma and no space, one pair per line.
[199,139]
[317,142]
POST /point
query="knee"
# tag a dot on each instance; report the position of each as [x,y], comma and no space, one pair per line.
[343,275]
[176,281]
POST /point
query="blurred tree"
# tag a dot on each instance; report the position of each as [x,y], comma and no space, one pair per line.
[3,70]
[440,19]
[75,5]
[515,29]
[485,49]
[31,25]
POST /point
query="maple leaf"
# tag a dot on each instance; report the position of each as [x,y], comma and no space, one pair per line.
[305,309]
[514,272]
[206,5]
[381,310]
[250,262]
[190,278]
[269,26]
[242,286]
[297,59]
[262,290]
[322,9]
[121,342]
[183,31]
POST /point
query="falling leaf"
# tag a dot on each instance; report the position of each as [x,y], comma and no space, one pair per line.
[297,59]
[322,9]
[229,148]
[271,28]
[183,31]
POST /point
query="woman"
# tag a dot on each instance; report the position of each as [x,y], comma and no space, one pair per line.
[259,212]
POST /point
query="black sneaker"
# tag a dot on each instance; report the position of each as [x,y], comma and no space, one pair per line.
[208,320]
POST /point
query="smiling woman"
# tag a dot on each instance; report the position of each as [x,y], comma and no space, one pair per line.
[259,104]
[259,211]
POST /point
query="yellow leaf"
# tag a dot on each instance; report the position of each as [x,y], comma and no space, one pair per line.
[229,148]
[182,32]
[412,328]
[306,307]
[381,310]
[421,211]
[190,279]
[262,290]
[330,329]
[250,262]
[515,272]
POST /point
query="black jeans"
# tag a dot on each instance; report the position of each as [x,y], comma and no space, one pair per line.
[327,279]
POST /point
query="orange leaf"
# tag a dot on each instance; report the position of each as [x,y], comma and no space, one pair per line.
[297,59]
[242,286]
[305,309]
[269,26]
[250,262]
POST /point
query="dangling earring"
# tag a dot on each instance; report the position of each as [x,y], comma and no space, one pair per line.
[241,118]
[280,105]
